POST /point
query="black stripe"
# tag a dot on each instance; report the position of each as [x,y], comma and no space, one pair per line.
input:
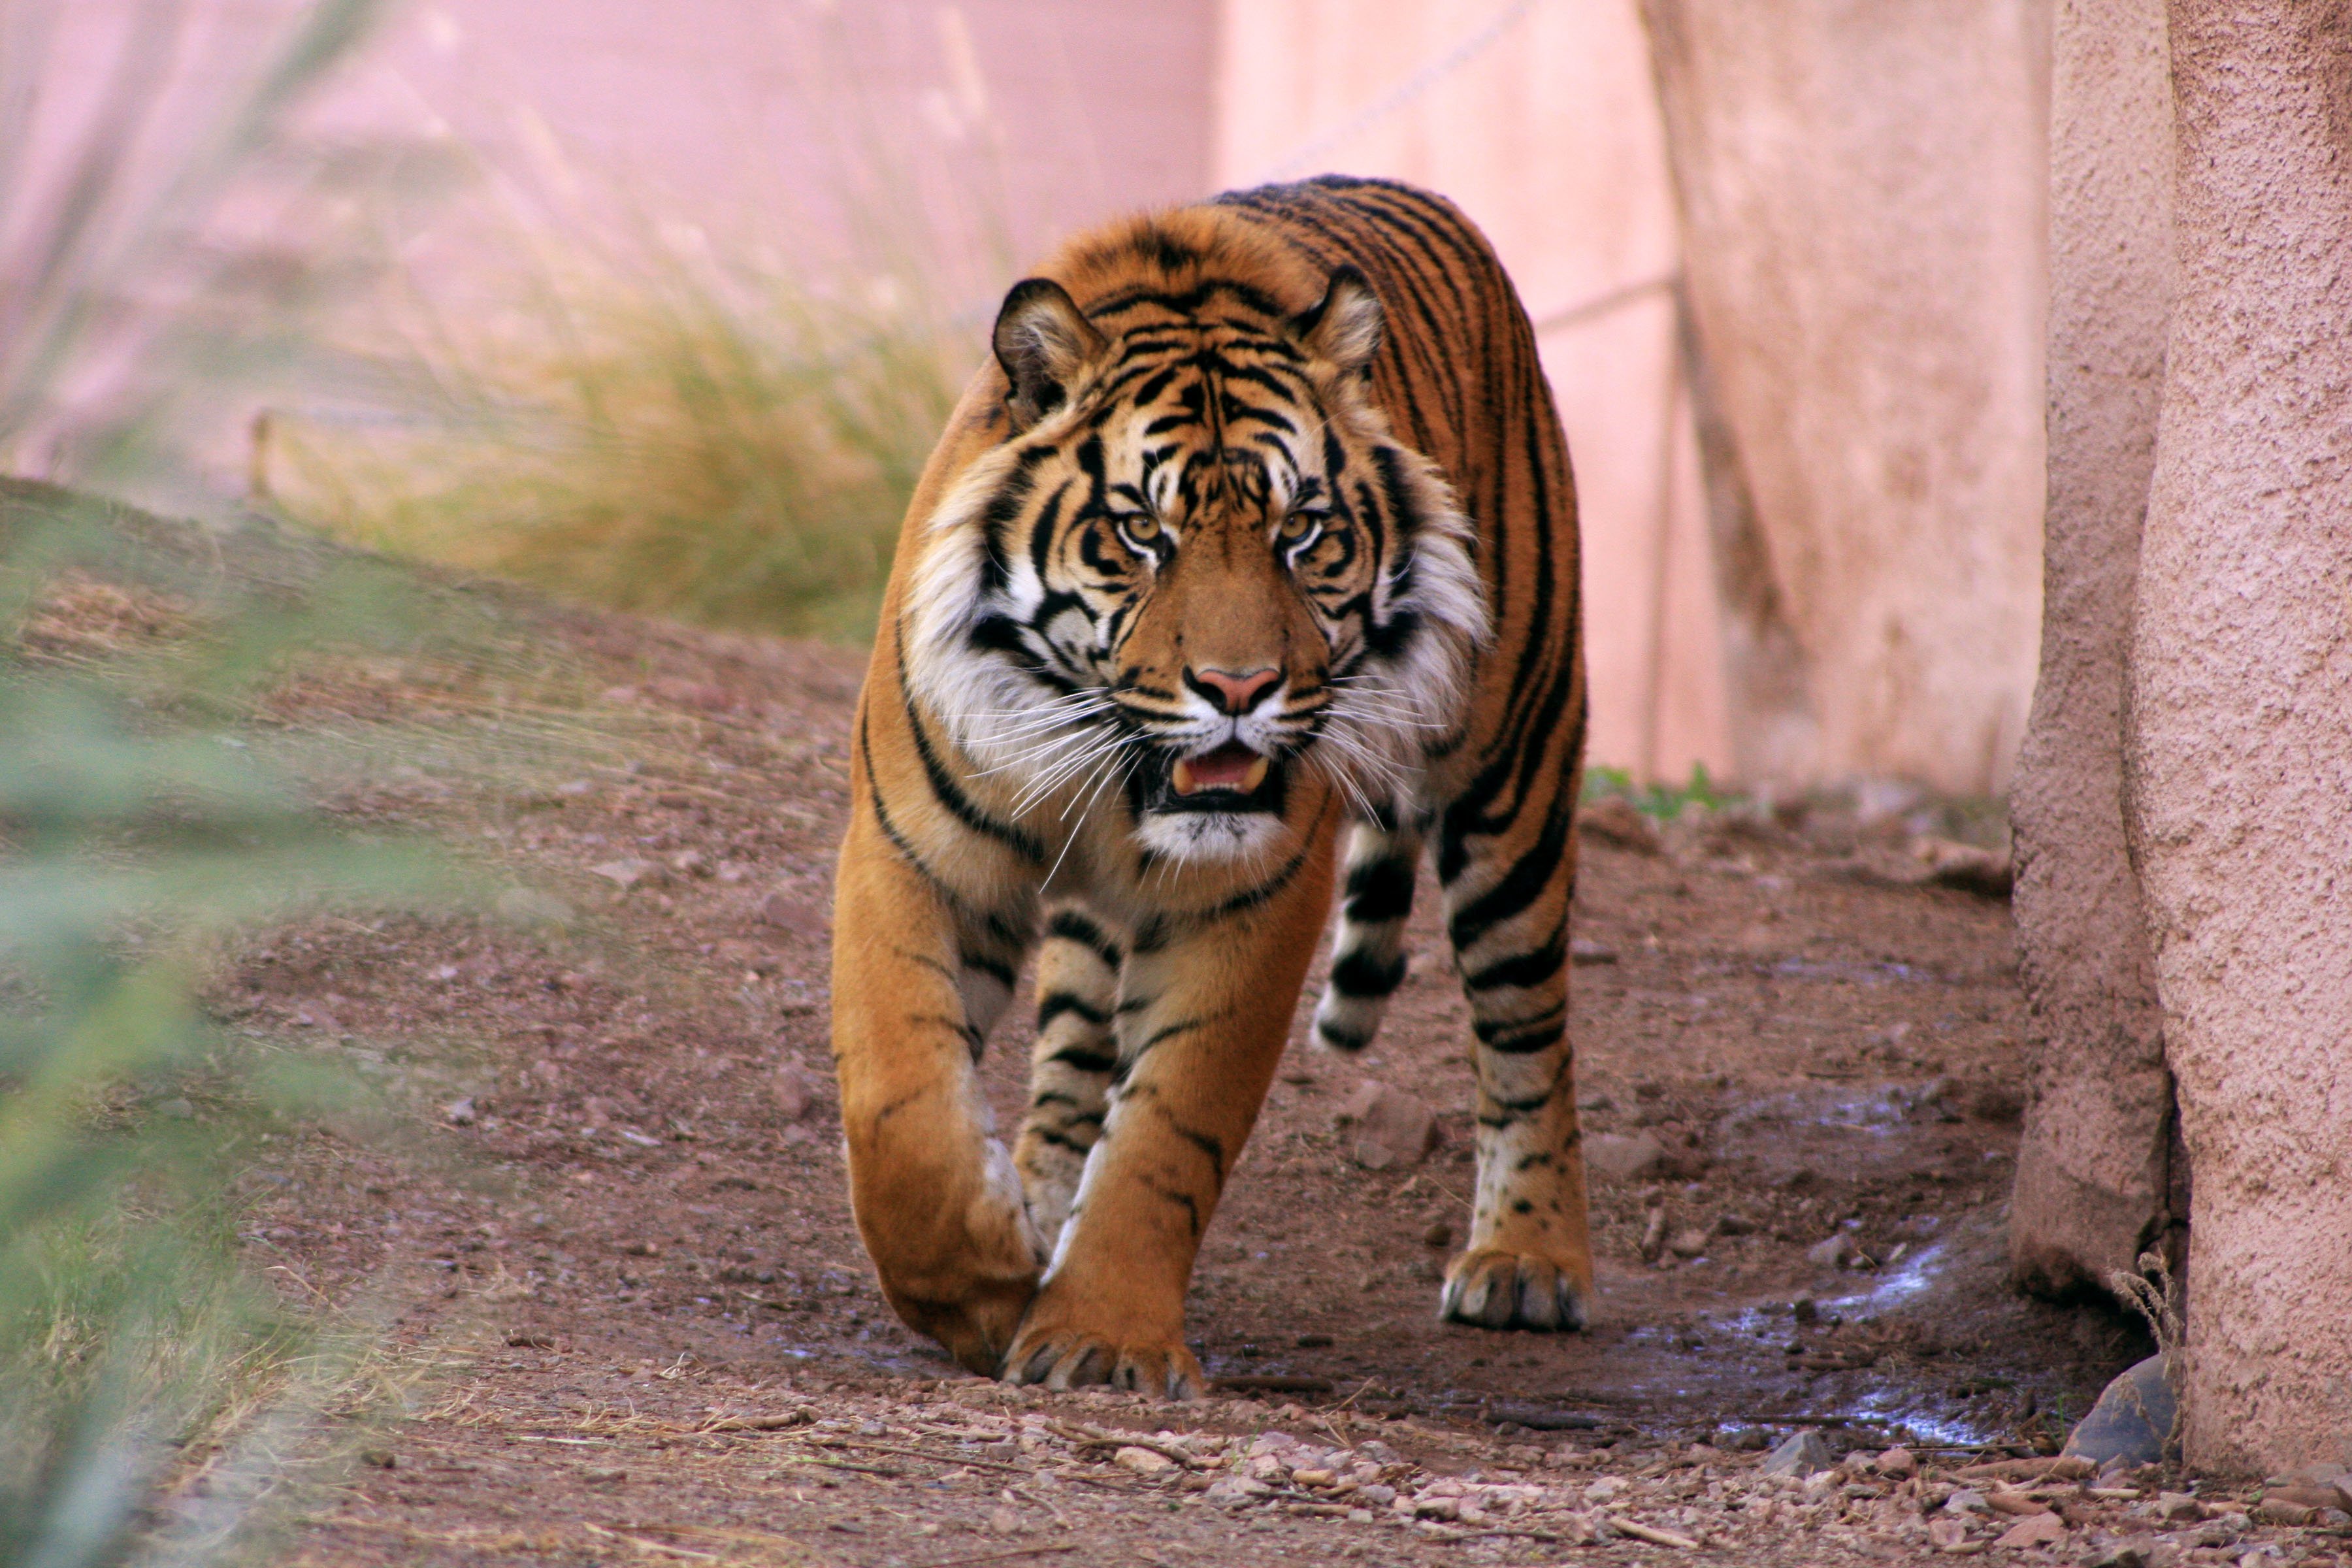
[1519,888]
[1183,1200]
[1190,301]
[1522,969]
[1208,1144]
[926,961]
[1522,1037]
[1364,975]
[962,1026]
[1168,1032]
[1341,1039]
[899,841]
[1054,1003]
[1274,884]
[994,968]
[951,794]
[1380,890]
[1072,926]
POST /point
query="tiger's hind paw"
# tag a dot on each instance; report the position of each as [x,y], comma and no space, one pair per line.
[1497,1290]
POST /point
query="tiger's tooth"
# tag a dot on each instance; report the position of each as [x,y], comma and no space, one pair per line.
[1255,777]
[1182,778]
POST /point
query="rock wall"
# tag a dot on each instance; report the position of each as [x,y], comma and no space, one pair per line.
[1862,196]
[2239,720]
[2093,1171]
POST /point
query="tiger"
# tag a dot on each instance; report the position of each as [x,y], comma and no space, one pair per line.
[1254,534]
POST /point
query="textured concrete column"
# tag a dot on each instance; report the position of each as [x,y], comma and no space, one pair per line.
[2093,1172]
[2239,720]
[1863,193]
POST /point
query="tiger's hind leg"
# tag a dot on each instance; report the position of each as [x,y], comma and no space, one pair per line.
[1070,1066]
[1368,959]
[1530,1261]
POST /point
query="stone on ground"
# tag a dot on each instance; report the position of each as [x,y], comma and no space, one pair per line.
[1830,1252]
[1392,1128]
[793,1091]
[2038,1530]
[1621,1157]
[1617,821]
[1801,1455]
[1142,1461]
[2131,1423]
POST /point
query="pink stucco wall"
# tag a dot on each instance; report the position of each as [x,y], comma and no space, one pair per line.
[976,133]
[982,131]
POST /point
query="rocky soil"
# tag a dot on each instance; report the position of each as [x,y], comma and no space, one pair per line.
[630,1319]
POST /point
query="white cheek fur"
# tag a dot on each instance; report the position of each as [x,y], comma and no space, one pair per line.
[1381,721]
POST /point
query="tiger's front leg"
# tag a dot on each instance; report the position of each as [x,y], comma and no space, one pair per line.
[916,985]
[1203,1015]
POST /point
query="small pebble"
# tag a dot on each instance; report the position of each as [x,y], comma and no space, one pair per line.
[1802,1453]
[1142,1461]
[1832,1251]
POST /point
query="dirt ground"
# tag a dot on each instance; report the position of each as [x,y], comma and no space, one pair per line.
[623,1266]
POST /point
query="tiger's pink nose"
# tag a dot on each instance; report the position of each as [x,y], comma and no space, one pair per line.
[1233,693]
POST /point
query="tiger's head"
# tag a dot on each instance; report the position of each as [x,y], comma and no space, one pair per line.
[1197,562]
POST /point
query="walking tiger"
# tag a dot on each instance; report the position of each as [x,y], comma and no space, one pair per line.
[1256,535]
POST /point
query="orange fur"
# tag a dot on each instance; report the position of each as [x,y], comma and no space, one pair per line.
[1275,481]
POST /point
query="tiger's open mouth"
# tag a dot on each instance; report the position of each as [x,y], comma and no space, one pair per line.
[1234,777]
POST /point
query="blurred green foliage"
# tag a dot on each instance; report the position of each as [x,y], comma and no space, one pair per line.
[140,828]
[139,832]
[1663,801]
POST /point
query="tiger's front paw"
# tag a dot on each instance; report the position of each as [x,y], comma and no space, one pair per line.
[1065,1345]
[1497,1290]
[974,1324]
[964,1274]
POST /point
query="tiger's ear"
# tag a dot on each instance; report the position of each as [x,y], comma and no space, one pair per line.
[1344,329]
[1042,340]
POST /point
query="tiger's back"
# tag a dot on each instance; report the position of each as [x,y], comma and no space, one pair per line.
[1261,525]
[1460,379]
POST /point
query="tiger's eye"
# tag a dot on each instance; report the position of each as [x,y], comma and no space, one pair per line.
[1299,525]
[1140,526]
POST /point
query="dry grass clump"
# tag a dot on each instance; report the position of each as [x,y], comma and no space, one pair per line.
[727,446]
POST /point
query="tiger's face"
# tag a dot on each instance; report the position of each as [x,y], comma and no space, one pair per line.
[1201,562]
